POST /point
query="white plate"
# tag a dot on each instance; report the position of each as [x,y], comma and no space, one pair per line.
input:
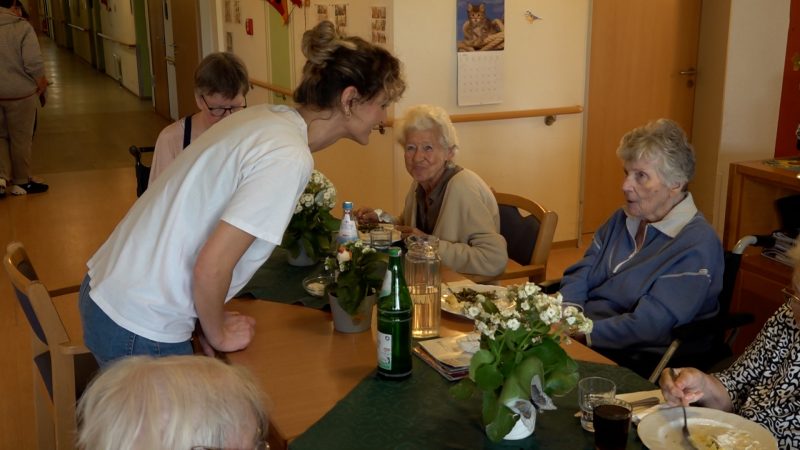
[662,430]
[447,293]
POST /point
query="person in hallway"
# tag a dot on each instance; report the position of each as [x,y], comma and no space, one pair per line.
[177,402]
[197,235]
[22,81]
[656,263]
[762,385]
[220,89]
[446,200]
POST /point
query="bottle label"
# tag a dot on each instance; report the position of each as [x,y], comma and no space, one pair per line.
[386,288]
[384,351]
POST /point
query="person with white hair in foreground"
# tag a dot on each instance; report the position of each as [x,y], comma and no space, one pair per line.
[173,402]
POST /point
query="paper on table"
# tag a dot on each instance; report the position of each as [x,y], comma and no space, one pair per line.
[450,350]
[640,412]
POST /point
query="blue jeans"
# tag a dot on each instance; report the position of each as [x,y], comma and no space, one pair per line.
[109,341]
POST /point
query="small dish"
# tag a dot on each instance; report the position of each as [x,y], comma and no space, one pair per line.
[315,285]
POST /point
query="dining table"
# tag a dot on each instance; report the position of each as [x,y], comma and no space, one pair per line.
[324,393]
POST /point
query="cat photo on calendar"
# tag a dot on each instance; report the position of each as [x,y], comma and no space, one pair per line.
[480,25]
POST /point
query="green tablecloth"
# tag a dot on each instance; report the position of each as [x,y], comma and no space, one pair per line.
[419,413]
[277,281]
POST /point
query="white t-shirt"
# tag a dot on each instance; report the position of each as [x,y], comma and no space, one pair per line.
[248,170]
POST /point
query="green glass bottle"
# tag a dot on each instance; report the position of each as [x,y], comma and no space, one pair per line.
[394,321]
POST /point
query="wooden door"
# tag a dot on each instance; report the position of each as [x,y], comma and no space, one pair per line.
[787,140]
[186,38]
[158,57]
[641,67]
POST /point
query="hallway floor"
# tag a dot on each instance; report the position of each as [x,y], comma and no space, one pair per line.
[80,149]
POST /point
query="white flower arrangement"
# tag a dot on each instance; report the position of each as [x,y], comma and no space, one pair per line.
[312,223]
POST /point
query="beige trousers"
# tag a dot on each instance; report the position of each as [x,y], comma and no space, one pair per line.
[16,137]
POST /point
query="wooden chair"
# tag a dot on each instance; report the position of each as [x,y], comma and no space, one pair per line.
[63,366]
[529,237]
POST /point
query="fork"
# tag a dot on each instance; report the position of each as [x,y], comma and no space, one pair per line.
[686,435]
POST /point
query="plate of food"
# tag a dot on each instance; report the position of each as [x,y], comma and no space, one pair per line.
[710,429]
[454,296]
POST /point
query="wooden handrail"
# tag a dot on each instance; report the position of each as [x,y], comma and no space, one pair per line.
[85,30]
[504,115]
[109,38]
[271,87]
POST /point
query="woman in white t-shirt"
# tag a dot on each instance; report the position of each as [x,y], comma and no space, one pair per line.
[201,230]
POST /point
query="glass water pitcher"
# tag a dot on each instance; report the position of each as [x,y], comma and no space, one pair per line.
[424,283]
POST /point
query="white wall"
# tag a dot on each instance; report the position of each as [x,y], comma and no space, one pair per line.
[744,124]
[117,22]
[545,66]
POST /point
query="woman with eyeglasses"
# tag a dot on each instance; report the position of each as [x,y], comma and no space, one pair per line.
[200,232]
[763,385]
[221,84]
[179,402]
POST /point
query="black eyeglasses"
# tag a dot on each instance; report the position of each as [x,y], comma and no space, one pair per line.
[219,111]
[790,296]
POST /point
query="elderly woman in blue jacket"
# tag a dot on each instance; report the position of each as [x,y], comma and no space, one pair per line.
[656,263]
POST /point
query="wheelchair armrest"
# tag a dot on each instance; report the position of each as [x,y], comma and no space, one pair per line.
[714,325]
[550,286]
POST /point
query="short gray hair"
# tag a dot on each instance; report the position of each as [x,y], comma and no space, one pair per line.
[429,117]
[169,403]
[664,142]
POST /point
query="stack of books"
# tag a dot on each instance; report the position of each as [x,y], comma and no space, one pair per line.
[450,356]
[784,241]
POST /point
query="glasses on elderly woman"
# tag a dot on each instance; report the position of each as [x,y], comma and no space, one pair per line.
[219,111]
[790,296]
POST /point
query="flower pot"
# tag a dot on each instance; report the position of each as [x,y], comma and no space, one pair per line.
[360,322]
[523,428]
[301,260]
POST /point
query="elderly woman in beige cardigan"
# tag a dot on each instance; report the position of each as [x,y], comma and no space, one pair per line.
[446,200]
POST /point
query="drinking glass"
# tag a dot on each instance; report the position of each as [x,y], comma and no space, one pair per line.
[590,391]
[380,238]
[612,420]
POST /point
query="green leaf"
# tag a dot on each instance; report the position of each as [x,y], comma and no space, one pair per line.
[488,378]
[513,390]
[462,390]
[561,382]
[502,424]
[490,407]
[480,358]
[525,371]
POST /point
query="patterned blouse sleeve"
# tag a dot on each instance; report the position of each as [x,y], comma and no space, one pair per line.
[744,374]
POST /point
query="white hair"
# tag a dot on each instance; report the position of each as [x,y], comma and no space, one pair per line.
[174,402]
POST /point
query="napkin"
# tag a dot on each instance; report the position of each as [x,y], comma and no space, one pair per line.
[640,412]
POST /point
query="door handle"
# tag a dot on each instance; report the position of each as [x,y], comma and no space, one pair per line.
[691,71]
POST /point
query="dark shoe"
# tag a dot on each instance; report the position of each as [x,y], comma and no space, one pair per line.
[33,187]
[2,188]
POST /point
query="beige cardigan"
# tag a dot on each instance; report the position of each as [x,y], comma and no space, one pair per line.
[468,226]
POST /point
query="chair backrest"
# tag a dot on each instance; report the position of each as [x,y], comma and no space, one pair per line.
[33,297]
[528,236]
[142,169]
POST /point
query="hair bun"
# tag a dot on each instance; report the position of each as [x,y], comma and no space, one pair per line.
[320,42]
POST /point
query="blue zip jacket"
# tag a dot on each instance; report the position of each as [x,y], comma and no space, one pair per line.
[635,298]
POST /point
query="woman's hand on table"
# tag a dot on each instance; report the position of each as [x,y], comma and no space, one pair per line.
[237,332]
[406,231]
[366,215]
